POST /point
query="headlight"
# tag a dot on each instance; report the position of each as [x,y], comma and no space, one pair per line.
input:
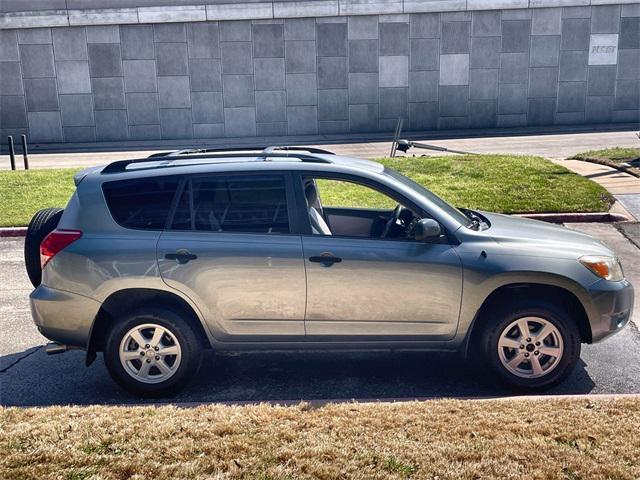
[608,268]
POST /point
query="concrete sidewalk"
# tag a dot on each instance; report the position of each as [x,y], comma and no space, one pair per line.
[624,187]
[617,182]
[549,145]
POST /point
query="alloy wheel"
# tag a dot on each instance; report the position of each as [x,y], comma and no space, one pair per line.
[150,353]
[530,347]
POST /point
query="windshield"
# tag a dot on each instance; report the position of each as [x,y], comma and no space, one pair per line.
[432,197]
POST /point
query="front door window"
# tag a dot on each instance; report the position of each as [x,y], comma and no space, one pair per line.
[345,208]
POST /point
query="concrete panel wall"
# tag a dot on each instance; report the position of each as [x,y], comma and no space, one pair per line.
[297,76]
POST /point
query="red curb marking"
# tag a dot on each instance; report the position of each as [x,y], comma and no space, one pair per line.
[13,232]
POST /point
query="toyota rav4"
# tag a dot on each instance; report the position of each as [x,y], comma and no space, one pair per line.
[157,259]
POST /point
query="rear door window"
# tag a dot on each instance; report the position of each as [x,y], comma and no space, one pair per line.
[234,203]
[141,203]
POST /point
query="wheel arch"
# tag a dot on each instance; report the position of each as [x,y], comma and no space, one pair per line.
[515,291]
[123,301]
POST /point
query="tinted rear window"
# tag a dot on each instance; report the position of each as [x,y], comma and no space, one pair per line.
[253,204]
[141,203]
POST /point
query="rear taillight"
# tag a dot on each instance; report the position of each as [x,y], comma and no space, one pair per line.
[55,242]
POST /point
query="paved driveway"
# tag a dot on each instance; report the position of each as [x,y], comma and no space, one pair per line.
[29,377]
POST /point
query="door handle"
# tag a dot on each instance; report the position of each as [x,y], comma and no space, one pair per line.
[325,259]
[182,256]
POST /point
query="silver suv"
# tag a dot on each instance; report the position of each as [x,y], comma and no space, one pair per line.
[155,260]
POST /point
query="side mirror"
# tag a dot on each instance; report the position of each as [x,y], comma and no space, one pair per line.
[427,230]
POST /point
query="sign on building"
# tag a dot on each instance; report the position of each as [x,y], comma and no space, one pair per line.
[603,49]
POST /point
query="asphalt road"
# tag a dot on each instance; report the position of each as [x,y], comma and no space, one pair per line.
[29,377]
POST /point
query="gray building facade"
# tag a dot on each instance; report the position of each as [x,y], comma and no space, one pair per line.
[307,68]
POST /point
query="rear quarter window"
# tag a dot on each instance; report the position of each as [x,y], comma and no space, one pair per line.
[142,203]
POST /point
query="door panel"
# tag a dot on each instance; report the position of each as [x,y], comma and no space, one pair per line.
[382,289]
[353,222]
[245,284]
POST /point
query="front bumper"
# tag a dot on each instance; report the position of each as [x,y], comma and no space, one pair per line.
[63,317]
[612,307]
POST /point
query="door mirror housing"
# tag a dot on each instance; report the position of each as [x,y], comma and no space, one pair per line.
[427,230]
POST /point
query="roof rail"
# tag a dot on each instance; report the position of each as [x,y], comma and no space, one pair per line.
[194,151]
[169,160]
[269,149]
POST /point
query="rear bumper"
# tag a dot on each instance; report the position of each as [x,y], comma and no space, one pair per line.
[63,317]
[612,307]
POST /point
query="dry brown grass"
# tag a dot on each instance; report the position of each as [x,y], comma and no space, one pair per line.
[543,439]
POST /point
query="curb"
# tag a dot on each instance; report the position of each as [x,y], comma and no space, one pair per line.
[319,403]
[603,217]
[13,232]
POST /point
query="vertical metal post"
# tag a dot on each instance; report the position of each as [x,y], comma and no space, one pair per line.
[396,137]
[12,152]
[393,142]
[25,154]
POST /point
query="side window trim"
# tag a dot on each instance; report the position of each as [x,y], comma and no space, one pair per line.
[192,210]
[187,183]
[175,202]
[302,214]
[292,203]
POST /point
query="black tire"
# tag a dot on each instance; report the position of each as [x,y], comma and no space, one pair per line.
[42,223]
[188,340]
[553,314]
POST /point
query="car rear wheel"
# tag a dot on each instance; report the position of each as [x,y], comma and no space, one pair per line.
[531,346]
[152,352]
[41,225]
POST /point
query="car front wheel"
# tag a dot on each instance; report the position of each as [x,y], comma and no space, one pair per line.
[152,352]
[532,347]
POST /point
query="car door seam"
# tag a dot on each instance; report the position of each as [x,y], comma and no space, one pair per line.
[461,291]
